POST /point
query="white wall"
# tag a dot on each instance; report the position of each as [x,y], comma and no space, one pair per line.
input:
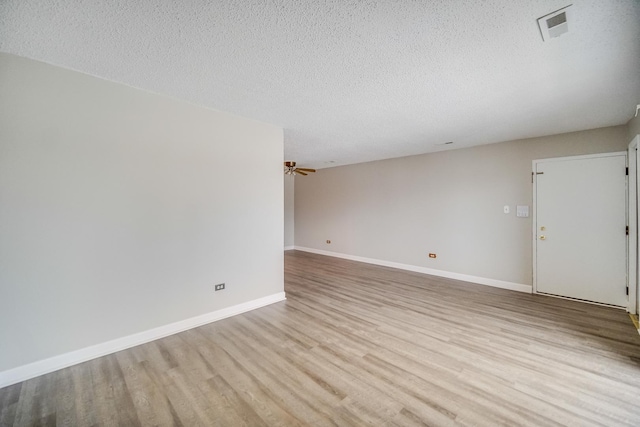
[449,203]
[634,127]
[289,218]
[120,210]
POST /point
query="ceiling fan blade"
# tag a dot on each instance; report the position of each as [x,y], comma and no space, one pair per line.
[300,172]
[305,169]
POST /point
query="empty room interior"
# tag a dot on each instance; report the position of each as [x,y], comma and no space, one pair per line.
[359,212]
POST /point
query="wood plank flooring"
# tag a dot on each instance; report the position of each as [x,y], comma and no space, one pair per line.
[357,344]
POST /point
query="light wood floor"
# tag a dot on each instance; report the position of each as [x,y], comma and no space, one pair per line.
[359,344]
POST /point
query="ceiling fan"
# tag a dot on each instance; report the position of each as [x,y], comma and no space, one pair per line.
[291,169]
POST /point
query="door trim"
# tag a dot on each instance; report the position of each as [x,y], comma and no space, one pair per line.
[534,228]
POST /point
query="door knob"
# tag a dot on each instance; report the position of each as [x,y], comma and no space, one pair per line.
[543,237]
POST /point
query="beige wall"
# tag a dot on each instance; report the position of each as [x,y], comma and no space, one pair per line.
[450,203]
[120,210]
[289,188]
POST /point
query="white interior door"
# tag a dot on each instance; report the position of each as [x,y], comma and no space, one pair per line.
[632,221]
[580,228]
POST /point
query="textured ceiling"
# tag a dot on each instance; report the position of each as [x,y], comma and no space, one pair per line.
[355,80]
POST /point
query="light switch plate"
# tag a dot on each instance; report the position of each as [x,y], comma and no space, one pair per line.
[522,211]
[506,209]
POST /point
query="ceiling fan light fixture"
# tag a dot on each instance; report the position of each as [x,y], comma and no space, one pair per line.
[289,168]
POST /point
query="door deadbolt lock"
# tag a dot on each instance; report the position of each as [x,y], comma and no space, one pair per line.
[543,238]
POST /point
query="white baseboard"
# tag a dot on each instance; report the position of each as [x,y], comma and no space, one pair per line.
[41,367]
[289,248]
[440,273]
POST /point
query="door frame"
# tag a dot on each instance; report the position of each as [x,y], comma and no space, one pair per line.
[633,183]
[534,228]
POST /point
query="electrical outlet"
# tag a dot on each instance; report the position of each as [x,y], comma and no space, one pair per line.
[328,242]
[432,255]
[219,287]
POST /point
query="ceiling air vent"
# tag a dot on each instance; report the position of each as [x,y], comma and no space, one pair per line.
[555,24]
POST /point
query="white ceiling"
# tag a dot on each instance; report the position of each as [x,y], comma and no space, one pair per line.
[355,80]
